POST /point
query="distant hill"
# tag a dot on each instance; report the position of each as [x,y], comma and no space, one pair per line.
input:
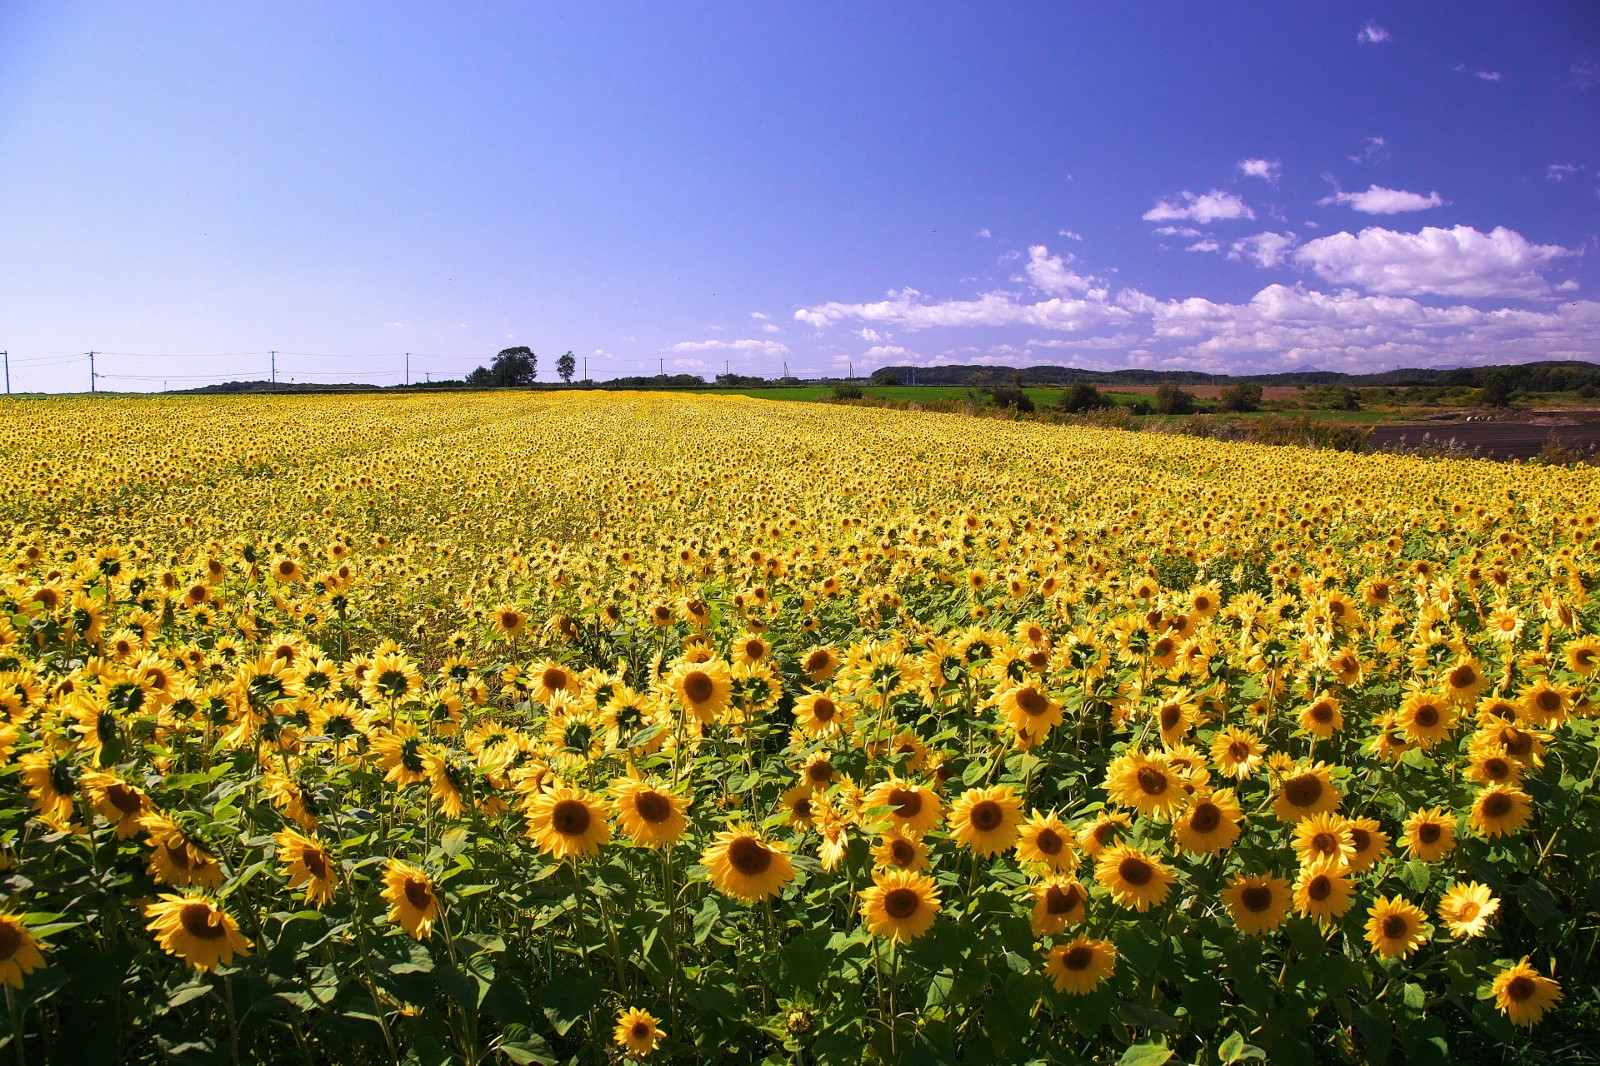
[1530,377]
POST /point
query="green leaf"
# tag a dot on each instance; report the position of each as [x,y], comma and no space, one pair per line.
[569,997]
[530,1050]
[705,918]
[187,994]
[1145,1055]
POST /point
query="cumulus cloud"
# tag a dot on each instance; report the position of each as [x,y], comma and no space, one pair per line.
[1069,235]
[757,315]
[1207,245]
[1050,274]
[768,327]
[1377,200]
[750,345]
[1265,169]
[1213,206]
[1177,231]
[984,233]
[1488,75]
[1373,150]
[1459,261]
[1372,33]
[1560,171]
[1263,249]
[908,309]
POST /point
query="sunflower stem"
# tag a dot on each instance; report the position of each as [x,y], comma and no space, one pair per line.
[233,1024]
[16,1014]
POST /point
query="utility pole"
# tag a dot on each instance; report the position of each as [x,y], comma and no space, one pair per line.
[727,367]
[852,370]
[661,367]
[91,369]
[786,368]
[7,354]
[274,355]
[586,368]
[408,368]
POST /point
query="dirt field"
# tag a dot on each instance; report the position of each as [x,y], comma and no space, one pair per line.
[1492,440]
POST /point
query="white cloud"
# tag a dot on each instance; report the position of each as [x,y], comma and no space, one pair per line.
[1050,274]
[752,345]
[1177,231]
[768,327]
[883,351]
[1442,262]
[906,309]
[757,315]
[1560,171]
[1372,33]
[1570,285]
[1488,75]
[1264,249]
[1372,151]
[1378,200]
[1265,169]
[1069,235]
[867,333]
[984,233]
[1210,207]
[1207,245]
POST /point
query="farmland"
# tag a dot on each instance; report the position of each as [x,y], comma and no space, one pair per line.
[562,726]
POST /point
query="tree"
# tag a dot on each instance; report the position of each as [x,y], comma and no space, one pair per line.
[512,368]
[1496,389]
[1083,397]
[1171,400]
[1244,396]
[565,366]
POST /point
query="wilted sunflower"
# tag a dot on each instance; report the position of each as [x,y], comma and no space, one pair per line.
[744,865]
[304,862]
[568,823]
[986,819]
[1395,927]
[1465,909]
[1058,903]
[1258,903]
[900,905]
[411,898]
[195,930]
[638,1031]
[19,951]
[1080,966]
[914,806]
[649,816]
[1523,994]
[1133,878]
[1045,839]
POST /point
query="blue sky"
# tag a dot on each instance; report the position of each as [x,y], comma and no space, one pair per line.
[1219,186]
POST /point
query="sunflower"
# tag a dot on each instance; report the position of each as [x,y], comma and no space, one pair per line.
[703,689]
[1500,809]
[411,898]
[1464,681]
[306,863]
[1029,707]
[1542,703]
[1058,903]
[1368,841]
[649,816]
[174,858]
[401,754]
[1305,792]
[914,806]
[568,823]
[1043,838]
[744,865]
[1236,752]
[448,778]
[392,679]
[19,951]
[1134,879]
[550,678]
[1523,994]
[638,1031]
[1148,784]
[820,664]
[1583,655]
[1323,837]
[1103,832]
[900,849]
[1257,903]
[507,621]
[1465,909]
[195,930]
[796,806]
[1322,717]
[1210,823]
[986,819]
[1426,718]
[1323,891]
[1395,927]
[900,905]
[117,802]
[1080,966]
[1430,834]
[819,715]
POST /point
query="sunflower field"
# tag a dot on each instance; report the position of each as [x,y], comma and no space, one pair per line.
[591,728]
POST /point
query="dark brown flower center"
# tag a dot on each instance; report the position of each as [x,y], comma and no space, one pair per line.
[1171,715]
[907,802]
[418,894]
[200,921]
[315,862]
[902,852]
[819,773]
[10,940]
[817,661]
[1394,927]
[653,807]
[901,903]
[1078,957]
[1519,988]
[1302,791]
[1206,817]
[571,818]
[1136,871]
[1427,716]
[1238,751]
[554,679]
[1496,805]
[698,687]
[1429,832]
[1463,677]
[124,798]
[1324,843]
[1152,782]
[1256,898]
[1319,888]
[1032,702]
[640,1030]
[1049,842]
[1547,700]
[1322,712]
[823,710]
[1058,901]
[749,856]
[987,816]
